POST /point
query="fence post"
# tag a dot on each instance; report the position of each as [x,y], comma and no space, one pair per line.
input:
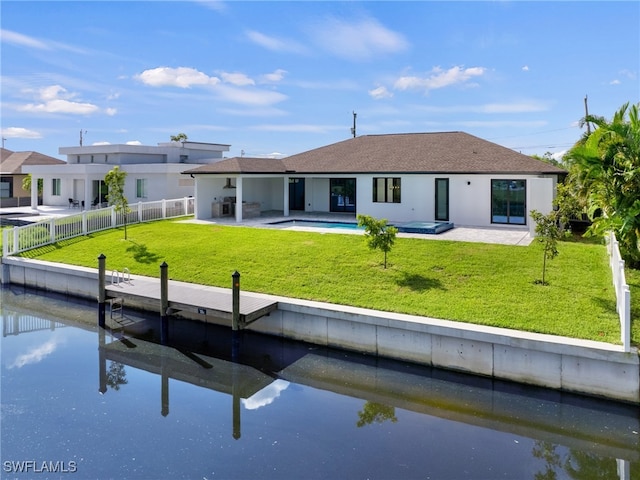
[52,230]
[114,219]
[139,212]
[186,205]
[626,319]
[84,222]
[164,208]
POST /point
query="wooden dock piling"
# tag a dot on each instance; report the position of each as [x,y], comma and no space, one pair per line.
[164,303]
[102,292]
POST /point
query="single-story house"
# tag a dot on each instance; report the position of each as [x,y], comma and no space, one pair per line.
[449,176]
[12,166]
[153,172]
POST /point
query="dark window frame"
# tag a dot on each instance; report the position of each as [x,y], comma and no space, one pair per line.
[396,190]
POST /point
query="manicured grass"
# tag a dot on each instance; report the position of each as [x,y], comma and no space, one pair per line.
[472,282]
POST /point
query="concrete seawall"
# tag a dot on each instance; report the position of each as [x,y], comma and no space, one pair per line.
[563,363]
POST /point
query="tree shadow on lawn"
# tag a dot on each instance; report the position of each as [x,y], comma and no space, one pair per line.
[141,253]
[419,283]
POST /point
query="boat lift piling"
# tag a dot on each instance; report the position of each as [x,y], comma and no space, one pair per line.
[164,303]
[102,292]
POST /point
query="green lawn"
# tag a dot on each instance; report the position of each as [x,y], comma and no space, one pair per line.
[472,282]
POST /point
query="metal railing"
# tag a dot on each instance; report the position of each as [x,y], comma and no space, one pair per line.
[27,237]
[623,294]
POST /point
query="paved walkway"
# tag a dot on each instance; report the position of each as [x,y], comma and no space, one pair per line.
[504,236]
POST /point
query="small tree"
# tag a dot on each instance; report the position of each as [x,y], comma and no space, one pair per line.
[26,184]
[378,234]
[181,137]
[115,184]
[548,233]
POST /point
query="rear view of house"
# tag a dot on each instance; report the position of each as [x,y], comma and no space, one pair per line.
[450,176]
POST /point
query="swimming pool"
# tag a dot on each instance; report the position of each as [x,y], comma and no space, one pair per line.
[317,224]
[432,228]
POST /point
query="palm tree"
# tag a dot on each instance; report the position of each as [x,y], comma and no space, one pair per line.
[605,169]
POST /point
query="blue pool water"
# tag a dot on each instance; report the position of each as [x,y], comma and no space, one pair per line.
[410,227]
[317,224]
[114,403]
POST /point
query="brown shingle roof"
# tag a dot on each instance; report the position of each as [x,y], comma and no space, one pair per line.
[448,152]
[13,163]
[242,165]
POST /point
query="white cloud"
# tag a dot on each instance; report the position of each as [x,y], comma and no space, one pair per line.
[111,111]
[275,44]
[133,142]
[293,128]
[183,77]
[439,78]
[19,132]
[7,36]
[238,79]
[525,68]
[97,144]
[273,77]
[35,355]
[265,396]
[251,96]
[380,92]
[361,40]
[216,5]
[56,99]
[615,82]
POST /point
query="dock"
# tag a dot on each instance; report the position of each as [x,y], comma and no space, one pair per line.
[189,297]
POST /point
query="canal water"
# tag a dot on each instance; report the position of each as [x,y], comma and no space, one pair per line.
[82,402]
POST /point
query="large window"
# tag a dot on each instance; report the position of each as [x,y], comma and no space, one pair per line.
[508,201]
[55,186]
[386,190]
[6,187]
[141,188]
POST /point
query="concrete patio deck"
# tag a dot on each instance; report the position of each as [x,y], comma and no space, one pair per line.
[498,235]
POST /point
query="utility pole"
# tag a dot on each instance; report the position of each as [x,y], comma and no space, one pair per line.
[586,114]
[353,129]
[3,140]
[81,136]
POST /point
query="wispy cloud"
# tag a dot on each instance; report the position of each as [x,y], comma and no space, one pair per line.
[15,38]
[380,92]
[56,99]
[18,132]
[364,39]
[273,77]
[439,78]
[19,39]
[265,396]
[35,355]
[182,77]
[275,44]
[234,87]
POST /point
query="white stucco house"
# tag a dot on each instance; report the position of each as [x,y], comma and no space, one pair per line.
[450,176]
[153,172]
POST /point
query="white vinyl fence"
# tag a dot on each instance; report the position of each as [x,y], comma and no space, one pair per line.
[623,294]
[20,239]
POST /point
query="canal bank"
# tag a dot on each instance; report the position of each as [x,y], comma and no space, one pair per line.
[562,363]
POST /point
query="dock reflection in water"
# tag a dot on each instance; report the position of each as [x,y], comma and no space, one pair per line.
[179,410]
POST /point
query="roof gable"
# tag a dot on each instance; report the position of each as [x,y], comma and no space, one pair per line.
[12,164]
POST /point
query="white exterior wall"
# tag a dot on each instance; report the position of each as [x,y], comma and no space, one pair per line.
[163,181]
[469,198]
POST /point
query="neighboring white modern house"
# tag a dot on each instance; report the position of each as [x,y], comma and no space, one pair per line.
[451,176]
[153,172]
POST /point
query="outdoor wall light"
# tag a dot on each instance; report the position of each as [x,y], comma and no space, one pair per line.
[468,182]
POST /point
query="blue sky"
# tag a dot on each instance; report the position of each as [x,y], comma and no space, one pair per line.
[279,78]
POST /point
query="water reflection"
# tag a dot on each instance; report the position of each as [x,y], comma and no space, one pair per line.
[403,420]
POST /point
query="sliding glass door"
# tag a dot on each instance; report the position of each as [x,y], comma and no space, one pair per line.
[442,199]
[508,201]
